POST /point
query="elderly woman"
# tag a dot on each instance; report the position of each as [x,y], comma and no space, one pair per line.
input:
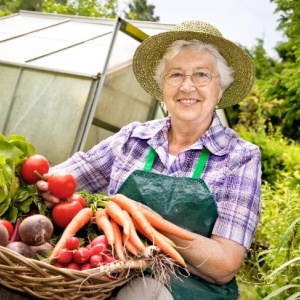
[188,167]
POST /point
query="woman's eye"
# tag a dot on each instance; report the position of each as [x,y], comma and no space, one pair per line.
[201,75]
[176,75]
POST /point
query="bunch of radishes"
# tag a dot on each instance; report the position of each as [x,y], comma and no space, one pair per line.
[77,257]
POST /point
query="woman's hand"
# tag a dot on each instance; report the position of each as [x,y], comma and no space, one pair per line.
[43,191]
[215,259]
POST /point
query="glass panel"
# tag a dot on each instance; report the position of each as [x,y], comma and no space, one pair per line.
[12,26]
[8,79]
[48,111]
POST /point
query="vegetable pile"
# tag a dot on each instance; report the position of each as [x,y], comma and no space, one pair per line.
[84,230]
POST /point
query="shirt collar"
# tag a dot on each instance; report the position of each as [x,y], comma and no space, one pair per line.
[218,139]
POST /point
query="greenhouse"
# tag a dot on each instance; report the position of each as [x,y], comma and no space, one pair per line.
[66,81]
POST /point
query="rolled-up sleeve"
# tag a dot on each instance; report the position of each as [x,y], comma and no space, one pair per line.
[238,197]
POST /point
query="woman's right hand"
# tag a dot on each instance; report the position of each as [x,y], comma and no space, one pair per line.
[44,192]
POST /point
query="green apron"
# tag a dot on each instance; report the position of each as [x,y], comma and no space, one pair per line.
[188,203]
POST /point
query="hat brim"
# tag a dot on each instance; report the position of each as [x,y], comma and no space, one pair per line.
[153,48]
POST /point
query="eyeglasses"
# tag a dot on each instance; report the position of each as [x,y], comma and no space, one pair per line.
[176,78]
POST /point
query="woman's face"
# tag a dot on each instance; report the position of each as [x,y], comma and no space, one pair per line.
[187,101]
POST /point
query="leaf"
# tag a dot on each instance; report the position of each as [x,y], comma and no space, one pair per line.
[287,233]
[3,186]
[278,291]
[23,144]
[280,268]
[24,206]
[12,214]
[4,206]
[9,151]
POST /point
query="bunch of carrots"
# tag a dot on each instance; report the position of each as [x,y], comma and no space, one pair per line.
[124,223]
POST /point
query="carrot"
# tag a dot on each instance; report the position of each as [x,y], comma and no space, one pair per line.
[80,220]
[103,222]
[129,245]
[118,245]
[130,206]
[140,230]
[161,224]
[116,213]
[134,237]
[162,243]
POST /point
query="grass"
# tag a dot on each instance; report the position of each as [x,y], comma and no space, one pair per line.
[248,292]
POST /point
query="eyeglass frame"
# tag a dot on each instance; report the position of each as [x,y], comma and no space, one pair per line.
[191,76]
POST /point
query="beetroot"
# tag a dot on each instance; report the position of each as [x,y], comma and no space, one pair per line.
[3,236]
[20,248]
[36,230]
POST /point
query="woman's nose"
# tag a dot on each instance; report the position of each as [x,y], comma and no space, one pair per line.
[187,84]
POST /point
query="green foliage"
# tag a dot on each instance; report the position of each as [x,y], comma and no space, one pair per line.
[91,8]
[278,82]
[16,196]
[269,117]
[140,10]
[278,266]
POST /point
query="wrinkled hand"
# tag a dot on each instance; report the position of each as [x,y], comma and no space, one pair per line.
[43,191]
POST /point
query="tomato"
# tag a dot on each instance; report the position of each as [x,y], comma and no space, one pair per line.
[34,163]
[78,198]
[62,185]
[64,212]
[9,227]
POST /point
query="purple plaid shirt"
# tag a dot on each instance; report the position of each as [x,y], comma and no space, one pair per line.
[232,173]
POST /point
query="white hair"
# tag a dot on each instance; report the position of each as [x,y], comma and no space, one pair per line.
[225,71]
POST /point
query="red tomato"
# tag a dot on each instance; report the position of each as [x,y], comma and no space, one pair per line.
[78,198]
[64,212]
[33,163]
[9,226]
[62,185]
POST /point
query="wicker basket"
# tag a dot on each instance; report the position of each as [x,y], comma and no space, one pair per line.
[44,281]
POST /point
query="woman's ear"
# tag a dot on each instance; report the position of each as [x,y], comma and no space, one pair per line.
[220,95]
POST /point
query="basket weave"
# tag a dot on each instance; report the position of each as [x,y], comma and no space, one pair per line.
[45,281]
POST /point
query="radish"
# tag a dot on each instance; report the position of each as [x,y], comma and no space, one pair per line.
[82,255]
[98,249]
[96,261]
[72,243]
[73,266]
[65,256]
[100,239]
[85,266]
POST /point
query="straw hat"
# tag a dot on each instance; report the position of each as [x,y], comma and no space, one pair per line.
[152,49]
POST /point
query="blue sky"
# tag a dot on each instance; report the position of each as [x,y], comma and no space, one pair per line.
[242,21]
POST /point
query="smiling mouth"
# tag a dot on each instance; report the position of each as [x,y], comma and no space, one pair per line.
[188,101]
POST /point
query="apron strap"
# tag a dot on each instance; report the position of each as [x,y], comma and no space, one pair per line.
[201,163]
[149,160]
[199,167]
